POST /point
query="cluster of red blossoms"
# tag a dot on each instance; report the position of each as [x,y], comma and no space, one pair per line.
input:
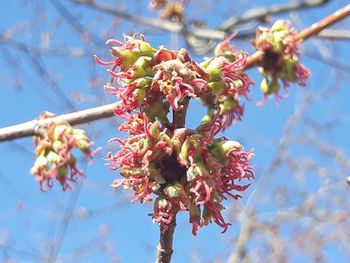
[187,170]
[55,160]
[280,63]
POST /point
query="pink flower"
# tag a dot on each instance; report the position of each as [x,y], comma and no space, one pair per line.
[138,157]
[55,160]
[280,62]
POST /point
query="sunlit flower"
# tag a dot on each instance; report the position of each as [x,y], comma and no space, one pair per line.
[55,160]
[280,63]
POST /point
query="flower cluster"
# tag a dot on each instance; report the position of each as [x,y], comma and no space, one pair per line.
[280,63]
[227,83]
[155,80]
[186,170]
[55,160]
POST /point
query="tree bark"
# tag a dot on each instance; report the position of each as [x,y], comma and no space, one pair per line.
[165,246]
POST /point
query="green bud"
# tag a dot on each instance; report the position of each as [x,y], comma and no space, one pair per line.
[53,157]
[145,48]
[155,130]
[229,146]
[57,145]
[160,203]
[141,68]
[40,162]
[185,148]
[289,69]
[227,105]
[58,130]
[140,94]
[173,190]
[127,57]
[269,87]
[279,25]
[217,86]
[196,170]
[83,145]
[142,82]
[214,69]
[63,170]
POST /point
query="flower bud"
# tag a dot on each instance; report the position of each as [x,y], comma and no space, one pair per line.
[83,145]
[214,69]
[140,94]
[173,190]
[53,157]
[57,145]
[141,68]
[59,129]
[220,149]
[217,87]
[279,25]
[127,57]
[40,162]
[269,87]
[196,170]
[63,171]
[160,203]
[289,69]
[229,146]
[229,104]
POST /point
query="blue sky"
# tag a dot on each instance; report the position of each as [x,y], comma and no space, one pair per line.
[29,218]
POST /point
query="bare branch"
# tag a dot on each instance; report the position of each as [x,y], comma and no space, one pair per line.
[31,128]
[203,33]
[258,13]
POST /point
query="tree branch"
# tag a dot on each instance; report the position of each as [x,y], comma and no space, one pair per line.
[165,246]
[31,128]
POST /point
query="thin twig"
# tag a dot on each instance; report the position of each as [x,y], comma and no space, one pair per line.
[203,47]
[202,33]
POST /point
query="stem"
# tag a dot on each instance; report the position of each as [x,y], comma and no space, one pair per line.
[179,117]
[165,246]
[308,32]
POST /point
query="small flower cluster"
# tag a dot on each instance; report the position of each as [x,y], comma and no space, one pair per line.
[152,79]
[280,47]
[227,83]
[188,170]
[55,160]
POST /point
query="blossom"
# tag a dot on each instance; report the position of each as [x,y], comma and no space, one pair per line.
[178,169]
[139,155]
[227,85]
[55,160]
[147,75]
[280,62]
